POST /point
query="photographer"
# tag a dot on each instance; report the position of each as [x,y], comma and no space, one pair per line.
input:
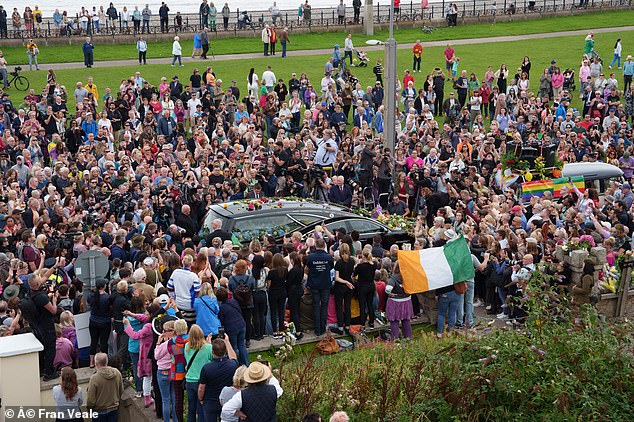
[297,167]
[367,163]
[385,163]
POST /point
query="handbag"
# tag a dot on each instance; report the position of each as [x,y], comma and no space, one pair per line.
[460,288]
[328,346]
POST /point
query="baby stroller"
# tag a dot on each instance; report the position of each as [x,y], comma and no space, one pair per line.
[363,59]
[569,80]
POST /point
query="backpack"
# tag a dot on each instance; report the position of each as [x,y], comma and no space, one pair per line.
[242,293]
[29,310]
[221,266]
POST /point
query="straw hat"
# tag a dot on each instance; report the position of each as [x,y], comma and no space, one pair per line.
[257,372]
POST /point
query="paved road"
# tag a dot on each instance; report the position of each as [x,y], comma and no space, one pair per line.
[328,51]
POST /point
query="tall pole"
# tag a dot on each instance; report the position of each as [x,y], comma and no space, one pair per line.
[390,88]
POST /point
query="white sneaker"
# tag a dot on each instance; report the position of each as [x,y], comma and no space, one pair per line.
[488,308]
[501,316]
[477,303]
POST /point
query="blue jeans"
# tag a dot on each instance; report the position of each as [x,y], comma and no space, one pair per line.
[138,381]
[283,48]
[5,79]
[33,61]
[320,309]
[238,342]
[180,62]
[112,416]
[193,405]
[615,59]
[447,302]
[212,411]
[502,295]
[167,395]
[465,306]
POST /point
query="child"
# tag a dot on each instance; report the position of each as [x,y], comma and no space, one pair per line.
[454,66]
[378,71]
[65,352]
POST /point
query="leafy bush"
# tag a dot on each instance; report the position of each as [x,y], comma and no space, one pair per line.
[564,364]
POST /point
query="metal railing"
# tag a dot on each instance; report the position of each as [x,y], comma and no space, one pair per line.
[319,18]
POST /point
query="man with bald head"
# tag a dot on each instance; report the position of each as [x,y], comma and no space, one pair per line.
[185,221]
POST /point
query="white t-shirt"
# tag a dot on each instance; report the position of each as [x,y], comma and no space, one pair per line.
[268,77]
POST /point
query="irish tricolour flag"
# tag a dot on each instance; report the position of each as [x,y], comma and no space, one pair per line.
[433,268]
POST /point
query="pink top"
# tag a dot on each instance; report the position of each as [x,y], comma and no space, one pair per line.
[584,72]
[558,80]
[145,336]
[65,353]
[163,357]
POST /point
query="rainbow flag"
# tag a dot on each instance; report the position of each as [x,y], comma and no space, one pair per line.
[536,188]
[564,181]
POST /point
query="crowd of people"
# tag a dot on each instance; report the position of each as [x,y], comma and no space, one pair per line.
[131,171]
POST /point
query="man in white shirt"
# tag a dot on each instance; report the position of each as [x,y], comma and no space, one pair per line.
[184,286]
[268,78]
[347,48]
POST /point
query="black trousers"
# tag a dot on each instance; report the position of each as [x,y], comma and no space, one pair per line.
[357,12]
[142,57]
[417,61]
[137,26]
[89,59]
[266,49]
[272,48]
[259,313]
[225,23]
[122,348]
[46,336]
[343,298]
[98,336]
[627,81]
[146,25]
[440,96]
[205,50]
[340,19]
[277,302]
[295,294]
[164,24]
[365,291]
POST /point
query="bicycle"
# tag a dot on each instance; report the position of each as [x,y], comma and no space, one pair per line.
[21,83]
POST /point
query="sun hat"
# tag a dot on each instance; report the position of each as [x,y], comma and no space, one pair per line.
[10,292]
[257,372]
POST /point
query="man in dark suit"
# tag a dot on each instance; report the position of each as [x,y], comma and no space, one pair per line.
[256,193]
[340,193]
[176,89]
[216,231]
[186,222]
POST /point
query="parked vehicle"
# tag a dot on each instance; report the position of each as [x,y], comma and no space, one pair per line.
[251,219]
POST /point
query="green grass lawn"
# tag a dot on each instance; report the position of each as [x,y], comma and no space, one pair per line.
[476,58]
[106,51]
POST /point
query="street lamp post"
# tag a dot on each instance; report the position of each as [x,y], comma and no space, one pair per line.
[391,107]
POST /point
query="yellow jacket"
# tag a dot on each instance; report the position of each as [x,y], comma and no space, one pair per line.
[31,47]
[92,88]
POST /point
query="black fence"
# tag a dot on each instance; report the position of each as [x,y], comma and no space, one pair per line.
[320,18]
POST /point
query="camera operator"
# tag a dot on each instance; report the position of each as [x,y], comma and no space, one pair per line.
[366,164]
[280,157]
[164,208]
[268,180]
[385,163]
[296,167]
[320,184]
[326,148]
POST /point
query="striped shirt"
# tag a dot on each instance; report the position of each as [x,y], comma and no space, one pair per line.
[185,285]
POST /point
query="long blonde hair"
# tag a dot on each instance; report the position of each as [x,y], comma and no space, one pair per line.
[196,338]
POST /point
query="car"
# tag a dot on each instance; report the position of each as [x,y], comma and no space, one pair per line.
[253,219]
